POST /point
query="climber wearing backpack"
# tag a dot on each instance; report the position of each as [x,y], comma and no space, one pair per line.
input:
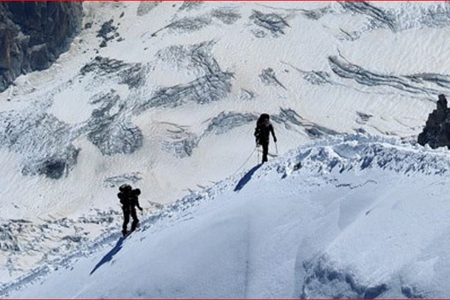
[262,133]
[129,199]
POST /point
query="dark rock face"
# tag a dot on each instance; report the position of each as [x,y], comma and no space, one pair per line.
[34,34]
[437,129]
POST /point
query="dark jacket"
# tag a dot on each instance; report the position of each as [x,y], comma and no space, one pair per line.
[264,133]
[129,199]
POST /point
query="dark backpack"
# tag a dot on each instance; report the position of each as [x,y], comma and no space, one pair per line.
[124,198]
[124,194]
[260,123]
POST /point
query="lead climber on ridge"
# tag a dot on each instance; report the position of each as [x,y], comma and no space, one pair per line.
[262,134]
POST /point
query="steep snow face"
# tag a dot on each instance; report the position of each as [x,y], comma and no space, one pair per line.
[164,95]
[354,216]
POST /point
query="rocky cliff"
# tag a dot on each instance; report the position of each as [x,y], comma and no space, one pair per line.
[437,128]
[34,34]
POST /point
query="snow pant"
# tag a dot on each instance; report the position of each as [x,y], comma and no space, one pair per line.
[127,211]
[265,148]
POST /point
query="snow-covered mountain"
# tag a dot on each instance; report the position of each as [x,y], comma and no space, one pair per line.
[165,95]
[354,216]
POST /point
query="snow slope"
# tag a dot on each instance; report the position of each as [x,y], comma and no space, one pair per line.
[164,95]
[354,216]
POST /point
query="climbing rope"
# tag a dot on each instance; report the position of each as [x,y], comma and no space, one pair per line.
[254,149]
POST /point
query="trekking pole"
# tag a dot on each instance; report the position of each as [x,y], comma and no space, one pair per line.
[276,148]
[257,156]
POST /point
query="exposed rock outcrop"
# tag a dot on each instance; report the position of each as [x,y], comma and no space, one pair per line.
[34,34]
[437,129]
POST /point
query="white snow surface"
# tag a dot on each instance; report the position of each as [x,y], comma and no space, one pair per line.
[169,106]
[353,216]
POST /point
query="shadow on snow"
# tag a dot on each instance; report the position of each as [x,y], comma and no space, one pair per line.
[244,180]
[109,256]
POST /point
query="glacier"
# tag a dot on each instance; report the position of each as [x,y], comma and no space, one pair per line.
[165,95]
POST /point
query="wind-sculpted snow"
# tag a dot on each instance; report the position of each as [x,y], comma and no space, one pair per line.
[268,24]
[350,71]
[325,281]
[321,276]
[44,142]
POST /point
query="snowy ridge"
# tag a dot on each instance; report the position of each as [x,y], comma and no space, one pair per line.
[315,167]
[359,152]
[341,153]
